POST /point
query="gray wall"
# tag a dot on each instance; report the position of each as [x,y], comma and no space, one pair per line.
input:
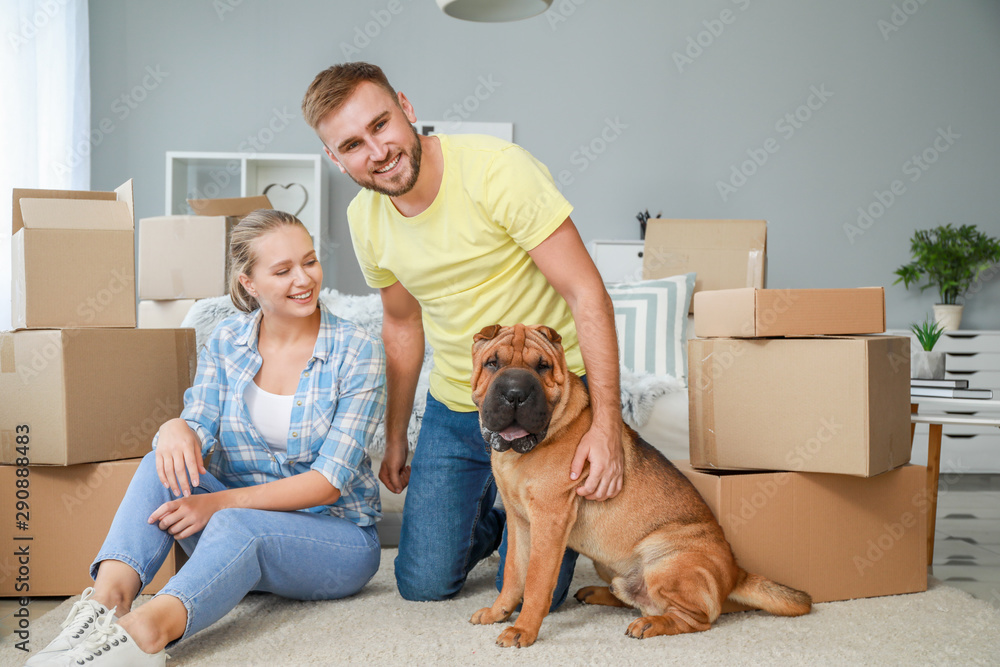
[887,80]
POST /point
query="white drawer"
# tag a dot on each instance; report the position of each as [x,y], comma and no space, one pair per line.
[978,379]
[978,454]
[959,431]
[969,341]
[970,361]
[618,261]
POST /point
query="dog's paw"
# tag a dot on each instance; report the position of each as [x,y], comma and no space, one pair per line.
[516,637]
[599,595]
[647,626]
[584,593]
[486,616]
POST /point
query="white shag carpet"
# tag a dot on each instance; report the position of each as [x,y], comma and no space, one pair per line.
[639,391]
[944,626]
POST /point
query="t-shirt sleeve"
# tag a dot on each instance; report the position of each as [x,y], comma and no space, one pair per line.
[359,221]
[522,197]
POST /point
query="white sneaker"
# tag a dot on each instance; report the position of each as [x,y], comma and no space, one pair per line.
[79,624]
[108,646]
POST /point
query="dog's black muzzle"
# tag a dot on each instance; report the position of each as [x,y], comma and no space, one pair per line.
[514,413]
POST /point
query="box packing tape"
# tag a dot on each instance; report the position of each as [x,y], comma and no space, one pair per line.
[7,360]
[180,231]
[187,360]
[8,440]
[755,268]
[8,445]
[18,283]
[177,283]
[703,382]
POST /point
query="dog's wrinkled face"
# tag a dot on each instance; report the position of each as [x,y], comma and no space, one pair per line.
[517,379]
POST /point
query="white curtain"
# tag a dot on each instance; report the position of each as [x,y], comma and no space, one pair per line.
[45,107]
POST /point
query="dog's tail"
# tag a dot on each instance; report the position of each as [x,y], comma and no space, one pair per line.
[761,593]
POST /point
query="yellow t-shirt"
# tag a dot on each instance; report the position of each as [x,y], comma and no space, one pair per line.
[465,258]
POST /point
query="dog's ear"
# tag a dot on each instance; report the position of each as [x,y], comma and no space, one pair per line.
[549,333]
[488,333]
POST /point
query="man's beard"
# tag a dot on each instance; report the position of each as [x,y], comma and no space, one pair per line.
[396,190]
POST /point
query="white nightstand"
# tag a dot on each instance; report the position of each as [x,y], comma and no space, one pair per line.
[618,261]
[939,414]
[975,356]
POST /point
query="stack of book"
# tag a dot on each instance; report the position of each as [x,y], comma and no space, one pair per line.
[947,389]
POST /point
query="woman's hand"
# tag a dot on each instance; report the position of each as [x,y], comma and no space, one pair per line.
[186,516]
[178,457]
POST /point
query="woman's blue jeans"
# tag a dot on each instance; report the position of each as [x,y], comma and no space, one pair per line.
[449,521]
[297,555]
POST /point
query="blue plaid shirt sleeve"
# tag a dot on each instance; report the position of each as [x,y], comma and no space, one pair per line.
[203,400]
[361,399]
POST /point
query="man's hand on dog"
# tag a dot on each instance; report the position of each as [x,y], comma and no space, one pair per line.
[602,448]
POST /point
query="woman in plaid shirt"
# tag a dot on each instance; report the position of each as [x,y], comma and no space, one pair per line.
[286,398]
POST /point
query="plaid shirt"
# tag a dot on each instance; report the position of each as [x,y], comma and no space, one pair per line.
[338,404]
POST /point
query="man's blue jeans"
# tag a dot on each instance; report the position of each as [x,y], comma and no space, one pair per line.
[449,522]
[298,555]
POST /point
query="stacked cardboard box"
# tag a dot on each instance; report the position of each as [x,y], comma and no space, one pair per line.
[82,391]
[800,439]
[723,254]
[183,258]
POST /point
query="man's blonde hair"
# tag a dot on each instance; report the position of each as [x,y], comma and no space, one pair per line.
[331,88]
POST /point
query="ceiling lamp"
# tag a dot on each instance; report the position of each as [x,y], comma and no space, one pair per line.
[493,11]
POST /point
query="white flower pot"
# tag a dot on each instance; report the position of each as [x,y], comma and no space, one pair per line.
[927,365]
[949,316]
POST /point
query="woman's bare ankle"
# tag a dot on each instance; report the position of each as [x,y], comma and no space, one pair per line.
[116,586]
[156,623]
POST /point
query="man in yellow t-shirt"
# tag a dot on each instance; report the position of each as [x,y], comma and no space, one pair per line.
[458,233]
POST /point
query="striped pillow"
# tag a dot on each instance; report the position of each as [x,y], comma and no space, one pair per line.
[650,319]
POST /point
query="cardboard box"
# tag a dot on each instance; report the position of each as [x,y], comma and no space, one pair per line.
[724,254]
[752,313]
[183,256]
[187,256]
[72,259]
[830,404]
[834,536]
[69,511]
[235,208]
[89,395]
[163,314]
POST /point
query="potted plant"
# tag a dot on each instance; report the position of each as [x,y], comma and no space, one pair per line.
[925,363]
[951,259]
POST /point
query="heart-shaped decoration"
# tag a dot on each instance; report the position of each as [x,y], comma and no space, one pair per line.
[287,201]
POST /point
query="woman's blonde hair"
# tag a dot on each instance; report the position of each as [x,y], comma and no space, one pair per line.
[242,256]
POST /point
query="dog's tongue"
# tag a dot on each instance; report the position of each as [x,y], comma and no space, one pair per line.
[513,433]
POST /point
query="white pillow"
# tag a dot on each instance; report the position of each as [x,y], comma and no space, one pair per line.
[651,322]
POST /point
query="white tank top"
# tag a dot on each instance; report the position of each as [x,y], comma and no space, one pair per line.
[271,415]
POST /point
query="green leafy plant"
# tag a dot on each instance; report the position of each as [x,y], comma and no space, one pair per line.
[949,258]
[927,332]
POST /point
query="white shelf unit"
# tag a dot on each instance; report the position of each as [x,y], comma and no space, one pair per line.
[618,261]
[206,175]
[972,355]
